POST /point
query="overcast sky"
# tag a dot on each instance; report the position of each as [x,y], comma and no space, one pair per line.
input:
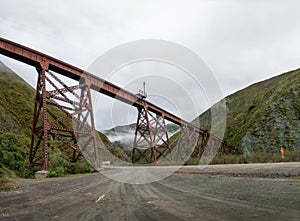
[242,41]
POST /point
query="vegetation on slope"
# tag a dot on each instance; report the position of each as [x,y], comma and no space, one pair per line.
[264,116]
[16,103]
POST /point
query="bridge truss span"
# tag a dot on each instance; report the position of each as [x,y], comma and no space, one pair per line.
[57,106]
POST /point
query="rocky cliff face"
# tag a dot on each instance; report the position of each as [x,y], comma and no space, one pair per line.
[278,124]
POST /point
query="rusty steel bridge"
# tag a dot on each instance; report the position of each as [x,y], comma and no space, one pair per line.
[57,104]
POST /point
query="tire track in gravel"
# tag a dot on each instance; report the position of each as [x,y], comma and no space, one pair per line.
[180,204]
[64,193]
[86,207]
[243,205]
[59,199]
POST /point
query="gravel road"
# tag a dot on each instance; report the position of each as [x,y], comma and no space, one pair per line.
[227,192]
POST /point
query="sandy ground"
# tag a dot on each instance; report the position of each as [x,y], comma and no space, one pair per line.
[227,192]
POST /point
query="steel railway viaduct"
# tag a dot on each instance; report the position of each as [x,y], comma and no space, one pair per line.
[57,104]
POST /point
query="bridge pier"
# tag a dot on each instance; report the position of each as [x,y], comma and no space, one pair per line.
[57,108]
[186,144]
[151,140]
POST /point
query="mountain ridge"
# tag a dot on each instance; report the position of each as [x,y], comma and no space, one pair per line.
[257,114]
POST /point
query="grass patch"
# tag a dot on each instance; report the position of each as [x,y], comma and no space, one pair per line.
[7,180]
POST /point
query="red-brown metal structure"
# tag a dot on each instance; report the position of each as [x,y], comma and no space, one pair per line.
[187,142]
[151,141]
[54,114]
[47,123]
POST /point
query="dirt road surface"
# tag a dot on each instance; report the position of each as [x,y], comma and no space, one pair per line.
[227,192]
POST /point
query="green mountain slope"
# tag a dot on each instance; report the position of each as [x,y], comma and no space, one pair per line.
[16,107]
[264,116]
[16,103]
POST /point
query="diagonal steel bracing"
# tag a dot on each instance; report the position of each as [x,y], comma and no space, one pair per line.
[186,143]
[61,113]
[151,141]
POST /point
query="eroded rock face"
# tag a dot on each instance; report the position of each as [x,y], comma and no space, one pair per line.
[277,125]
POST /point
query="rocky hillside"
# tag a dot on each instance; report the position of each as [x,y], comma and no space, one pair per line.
[264,116]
